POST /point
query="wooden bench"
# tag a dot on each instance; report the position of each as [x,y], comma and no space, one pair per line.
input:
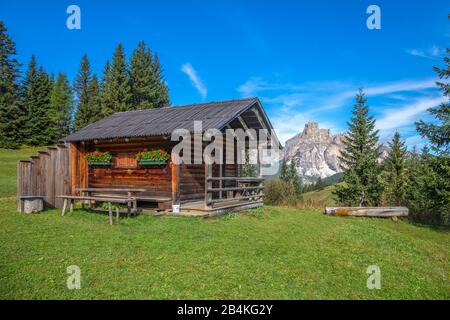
[163,202]
[71,200]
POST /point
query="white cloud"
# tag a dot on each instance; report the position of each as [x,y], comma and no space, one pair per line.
[405,115]
[188,69]
[430,53]
[292,105]
[400,86]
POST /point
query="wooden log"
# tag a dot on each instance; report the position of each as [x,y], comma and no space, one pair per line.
[368,211]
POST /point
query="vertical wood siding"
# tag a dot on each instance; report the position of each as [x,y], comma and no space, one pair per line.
[46,174]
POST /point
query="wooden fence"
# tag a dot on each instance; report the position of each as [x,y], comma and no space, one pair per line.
[47,174]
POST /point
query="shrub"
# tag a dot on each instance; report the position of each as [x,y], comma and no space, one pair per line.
[279,192]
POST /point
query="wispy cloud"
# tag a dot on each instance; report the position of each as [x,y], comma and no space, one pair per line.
[188,69]
[429,53]
[405,115]
[328,103]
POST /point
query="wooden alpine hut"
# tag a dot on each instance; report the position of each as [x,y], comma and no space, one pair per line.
[127,156]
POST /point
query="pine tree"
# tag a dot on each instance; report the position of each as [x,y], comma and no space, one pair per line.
[36,91]
[359,159]
[283,170]
[289,174]
[142,78]
[117,96]
[61,105]
[438,180]
[11,113]
[394,177]
[81,87]
[161,98]
[439,132]
[95,100]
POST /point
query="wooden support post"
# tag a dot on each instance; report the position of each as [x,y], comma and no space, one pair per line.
[128,204]
[208,185]
[71,205]
[259,170]
[220,181]
[175,184]
[110,213]
[117,214]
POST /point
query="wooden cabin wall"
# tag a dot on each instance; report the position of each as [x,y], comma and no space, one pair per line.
[192,182]
[157,178]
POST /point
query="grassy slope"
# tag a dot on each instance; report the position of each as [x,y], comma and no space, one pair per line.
[264,253]
[320,198]
[8,162]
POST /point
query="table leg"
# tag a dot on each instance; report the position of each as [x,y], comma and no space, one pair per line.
[117,215]
[64,207]
[110,213]
[71,205]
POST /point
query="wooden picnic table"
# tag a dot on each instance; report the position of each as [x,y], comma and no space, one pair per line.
[129,196]
[109,200]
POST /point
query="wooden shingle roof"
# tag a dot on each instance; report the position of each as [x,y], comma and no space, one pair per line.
[163,121]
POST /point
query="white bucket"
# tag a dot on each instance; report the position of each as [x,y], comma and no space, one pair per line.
[176,208]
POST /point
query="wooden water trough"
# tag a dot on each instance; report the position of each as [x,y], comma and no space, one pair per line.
[380,212]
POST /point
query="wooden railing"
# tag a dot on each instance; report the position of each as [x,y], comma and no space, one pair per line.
[243,188]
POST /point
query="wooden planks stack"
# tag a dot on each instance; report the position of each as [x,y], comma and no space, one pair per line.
[46,174]
[381,212]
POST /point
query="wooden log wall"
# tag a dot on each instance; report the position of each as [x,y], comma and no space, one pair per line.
[125,172]
[46,174]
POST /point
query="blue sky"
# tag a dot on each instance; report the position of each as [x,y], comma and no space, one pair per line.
[304,60]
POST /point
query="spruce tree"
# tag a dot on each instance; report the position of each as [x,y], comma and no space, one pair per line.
[289,174]
[118,96]
[36,90]
[142,78]
[61,105]
[95,100]
[283,170]
[11,113]
[394,177]
[359,159]
[81,87]
[438,132]
[161,98]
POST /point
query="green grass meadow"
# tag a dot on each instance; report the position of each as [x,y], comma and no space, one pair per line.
[266,253]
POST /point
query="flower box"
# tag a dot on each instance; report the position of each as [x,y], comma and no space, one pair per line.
[150,162]
[152,157]
[98,158]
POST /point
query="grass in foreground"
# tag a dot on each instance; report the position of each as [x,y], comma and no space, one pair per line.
[271,252]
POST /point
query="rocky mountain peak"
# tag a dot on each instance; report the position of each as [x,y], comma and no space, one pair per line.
[315,152]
